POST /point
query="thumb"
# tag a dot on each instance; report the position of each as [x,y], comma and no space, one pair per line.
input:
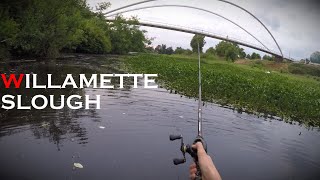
[199,147]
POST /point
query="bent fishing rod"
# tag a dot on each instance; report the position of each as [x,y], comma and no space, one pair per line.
[199,138]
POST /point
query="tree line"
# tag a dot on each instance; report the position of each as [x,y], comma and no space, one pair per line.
[41,28]
[229,51]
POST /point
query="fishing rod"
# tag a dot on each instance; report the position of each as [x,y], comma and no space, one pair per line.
[199,138]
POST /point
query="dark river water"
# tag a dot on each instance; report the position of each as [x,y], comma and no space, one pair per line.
[134,143]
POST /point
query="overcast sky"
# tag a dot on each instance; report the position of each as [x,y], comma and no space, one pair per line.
[294,24]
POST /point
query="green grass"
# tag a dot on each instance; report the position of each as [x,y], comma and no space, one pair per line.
[243,87]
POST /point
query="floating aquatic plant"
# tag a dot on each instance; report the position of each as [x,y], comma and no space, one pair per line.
[254,90]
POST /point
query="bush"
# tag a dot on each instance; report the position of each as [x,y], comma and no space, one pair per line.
[304,69]
[315,57]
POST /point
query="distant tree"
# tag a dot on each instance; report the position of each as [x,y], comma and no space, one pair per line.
[179,50]
[157,49]
[221,48]
[188,52]
[255,56]
[248,56]
[266,57]
[150,49]
[258,56]
[126,36]
[194,43]
[169,50]
[162,49]
[230,51]
[242,54]
[308,61]
[315,57]
[211,51]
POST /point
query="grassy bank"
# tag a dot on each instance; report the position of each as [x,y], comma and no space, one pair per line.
[244,87]
[306,70]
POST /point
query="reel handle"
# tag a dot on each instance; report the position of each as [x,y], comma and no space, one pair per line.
[173,137]
[177,161]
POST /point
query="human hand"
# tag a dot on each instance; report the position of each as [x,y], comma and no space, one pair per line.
[208,170]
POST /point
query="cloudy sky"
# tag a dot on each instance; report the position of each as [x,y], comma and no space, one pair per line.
[295,24]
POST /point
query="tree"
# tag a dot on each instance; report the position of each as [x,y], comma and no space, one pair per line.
[45,27]
[42,28]
[221,48]
[179,50]
[95,38]
[255,56]
[194,43]
[211,51]
[169,50]
[230,51]
[162,49]
[315,57]
[149,49]
[266,57]
[188,52]
[157,49]
[125,36]
[242,54]
[248,56]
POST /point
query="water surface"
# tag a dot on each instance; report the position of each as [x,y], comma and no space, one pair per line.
[134,143]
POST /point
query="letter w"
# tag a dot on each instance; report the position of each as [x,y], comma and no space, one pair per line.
[13,78]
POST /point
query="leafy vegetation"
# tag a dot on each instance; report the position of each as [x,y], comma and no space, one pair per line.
[162,49]
[42,28]
[244,88]
[180,50]
[315,57]
[197,39]
[229,50]
[269,58]
[255,56]
[304,69]
[211,51]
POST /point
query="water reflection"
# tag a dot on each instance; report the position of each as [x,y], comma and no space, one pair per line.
[49,123]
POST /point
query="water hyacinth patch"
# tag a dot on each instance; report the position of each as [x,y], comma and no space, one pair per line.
[253,90]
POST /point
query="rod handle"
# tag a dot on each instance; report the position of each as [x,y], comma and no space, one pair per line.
[193,153]
[198,173]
